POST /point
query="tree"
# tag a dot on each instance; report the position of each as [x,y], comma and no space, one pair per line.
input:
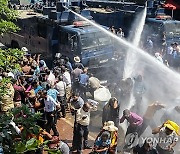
[7,16]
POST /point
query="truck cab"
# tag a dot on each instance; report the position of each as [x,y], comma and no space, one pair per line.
[60,31]
[91,45]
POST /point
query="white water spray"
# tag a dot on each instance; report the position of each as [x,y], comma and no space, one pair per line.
[136,37]
[163,83]
[131,59]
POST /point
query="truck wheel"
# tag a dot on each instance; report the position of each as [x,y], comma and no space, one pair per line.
[14,44]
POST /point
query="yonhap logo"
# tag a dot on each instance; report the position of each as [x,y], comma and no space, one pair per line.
[131,140]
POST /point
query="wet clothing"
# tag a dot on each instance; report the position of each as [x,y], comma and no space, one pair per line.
[169,139]
[133,119]
[135,123]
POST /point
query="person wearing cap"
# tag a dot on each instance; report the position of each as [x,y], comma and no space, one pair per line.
[77,63]
[113,130]
[168,137]
[135,121]
[111,111]
[83,121]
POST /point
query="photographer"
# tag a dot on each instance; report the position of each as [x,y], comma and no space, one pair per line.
[76,103]
[83,120]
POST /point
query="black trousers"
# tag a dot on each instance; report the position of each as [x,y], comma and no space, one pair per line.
[51,122]
[136,129]
[75,133]
[82,91]
[83,132]
[63,103]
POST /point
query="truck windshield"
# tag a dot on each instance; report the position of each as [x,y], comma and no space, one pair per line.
[172,29]
[94,40]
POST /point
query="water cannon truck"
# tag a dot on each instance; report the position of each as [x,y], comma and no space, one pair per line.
[159,26]
[58,30]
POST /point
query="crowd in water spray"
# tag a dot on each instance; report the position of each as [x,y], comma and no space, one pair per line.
[162,84]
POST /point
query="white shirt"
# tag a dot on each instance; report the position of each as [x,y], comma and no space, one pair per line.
[80,114]
[67,78]
[51,79]
[61,87]
[166,140]
[50,104]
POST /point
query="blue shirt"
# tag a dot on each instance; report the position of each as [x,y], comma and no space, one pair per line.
[69,66]
[78,104]
[84,79]
[38,89]
[101,143]
[36,71]
[50,104]
[53,93]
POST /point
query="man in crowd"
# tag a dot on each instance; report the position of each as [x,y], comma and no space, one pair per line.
[83,82]
[134,120]
[149,115]
[50,108]
[61,87]
[83,121]
[76,103]
[168,137]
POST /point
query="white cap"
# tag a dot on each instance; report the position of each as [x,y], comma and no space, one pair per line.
[24,49]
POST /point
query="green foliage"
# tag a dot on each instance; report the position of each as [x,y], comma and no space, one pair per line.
[7,16]
[10,140]
[3,86]
[30,145]
[9,59]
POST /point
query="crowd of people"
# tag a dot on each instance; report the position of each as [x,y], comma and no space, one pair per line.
[64,88]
